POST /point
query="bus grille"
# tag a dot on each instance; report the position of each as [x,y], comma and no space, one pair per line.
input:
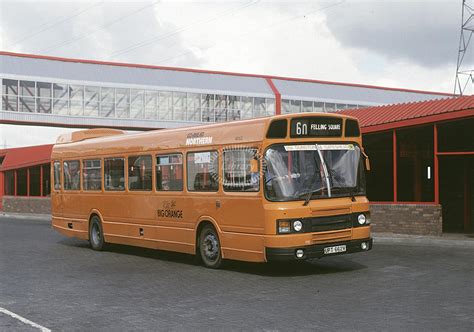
[331,223]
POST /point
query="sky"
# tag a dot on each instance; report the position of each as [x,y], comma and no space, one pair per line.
[405,44]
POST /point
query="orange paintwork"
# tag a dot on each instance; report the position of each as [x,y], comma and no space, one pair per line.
[245,221]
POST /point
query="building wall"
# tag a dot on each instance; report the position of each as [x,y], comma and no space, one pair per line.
[414,219]
[16,204]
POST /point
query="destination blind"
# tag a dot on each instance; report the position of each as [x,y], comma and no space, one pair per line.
[316,127]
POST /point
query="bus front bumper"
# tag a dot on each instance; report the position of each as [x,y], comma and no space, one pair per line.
[318,251]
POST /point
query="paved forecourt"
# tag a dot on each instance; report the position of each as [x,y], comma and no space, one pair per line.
[60,284]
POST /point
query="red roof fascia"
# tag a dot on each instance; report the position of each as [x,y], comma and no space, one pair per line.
[26,156]
[202,71]
[419,121]
[408,114]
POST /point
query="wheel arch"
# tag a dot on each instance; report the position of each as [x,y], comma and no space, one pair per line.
[92,213]
[203,221]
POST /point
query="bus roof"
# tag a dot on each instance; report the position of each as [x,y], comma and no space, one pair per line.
[106,141]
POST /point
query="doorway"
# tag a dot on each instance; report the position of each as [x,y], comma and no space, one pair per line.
[456,193]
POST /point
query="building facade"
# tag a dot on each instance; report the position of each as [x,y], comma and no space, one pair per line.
[422,160]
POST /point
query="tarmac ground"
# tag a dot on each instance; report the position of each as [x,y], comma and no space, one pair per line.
[50,282]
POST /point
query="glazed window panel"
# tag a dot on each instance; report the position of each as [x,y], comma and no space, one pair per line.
[139,173]
[270,102]
[329,107]
[10,87]
[295,106]
[60,106]
[92,174]
[234,102]
[43,90]
[57,175]
[10,103]
[169,172]
[27,104]
[247,107]
[43,105]
[203,171]
[91,101]
[21,182]
[114,174]
[9,185]
[122,103]
[208,115]
[46,180]
[285,106]
[72,175]
[179,105]
[27,88]
[259,107]
[35,181]
[165,107]
[60,91]
[151,104]
[107,102]
[233,115]
[193,110]
[318,107]
[137,98]
[307,106]
[207,101]
[241,170]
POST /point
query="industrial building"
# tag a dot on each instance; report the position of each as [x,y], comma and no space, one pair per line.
[420,143]
[50,91]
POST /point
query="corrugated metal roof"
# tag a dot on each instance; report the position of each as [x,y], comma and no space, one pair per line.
[292,89]
[25,157]
[373,116]
[163,79]
[185,79]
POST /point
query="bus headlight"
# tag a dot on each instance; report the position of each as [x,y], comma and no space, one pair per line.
[297,225]
[284,226]
[361,219]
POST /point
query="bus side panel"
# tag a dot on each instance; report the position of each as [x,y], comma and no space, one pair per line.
[114,208]
[241,219]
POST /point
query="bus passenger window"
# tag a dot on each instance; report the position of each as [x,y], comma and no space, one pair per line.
[57,175]
[169,172]
[91,175]
[202,171]
[72,175]
[241,170]
[114,174]
[139,173]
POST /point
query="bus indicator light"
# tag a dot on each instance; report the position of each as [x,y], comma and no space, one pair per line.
[284,227]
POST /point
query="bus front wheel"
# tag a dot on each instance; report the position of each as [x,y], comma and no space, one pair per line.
[96,235]
[210,247]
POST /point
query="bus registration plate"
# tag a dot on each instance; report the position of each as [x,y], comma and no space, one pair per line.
[334,250]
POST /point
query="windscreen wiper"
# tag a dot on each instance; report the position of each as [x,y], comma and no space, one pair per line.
[309,194]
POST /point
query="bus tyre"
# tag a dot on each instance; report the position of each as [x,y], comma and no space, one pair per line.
[210,247]
[96,235]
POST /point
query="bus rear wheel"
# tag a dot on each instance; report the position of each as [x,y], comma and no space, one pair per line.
[96,235]
[210,247]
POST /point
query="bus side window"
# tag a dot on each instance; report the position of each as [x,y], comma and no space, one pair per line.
[139,173]
[241,170]
[91,175]
[72,175]
[202,171]
[114,174]
[57,175]
[169,172]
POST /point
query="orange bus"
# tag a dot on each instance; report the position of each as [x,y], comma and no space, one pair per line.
[286,187]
